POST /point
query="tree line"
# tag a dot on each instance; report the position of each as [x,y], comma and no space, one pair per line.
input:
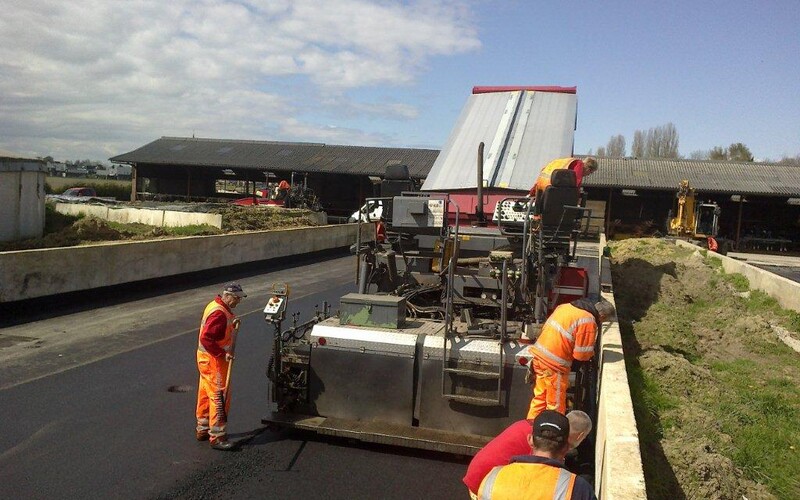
[662,142]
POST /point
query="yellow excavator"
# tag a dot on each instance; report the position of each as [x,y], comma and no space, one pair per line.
[695,221]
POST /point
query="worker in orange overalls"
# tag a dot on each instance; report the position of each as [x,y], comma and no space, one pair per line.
[582,168]
[568,334]
[214,354]
[541,474]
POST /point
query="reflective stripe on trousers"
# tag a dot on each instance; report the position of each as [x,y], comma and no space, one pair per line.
[549,390]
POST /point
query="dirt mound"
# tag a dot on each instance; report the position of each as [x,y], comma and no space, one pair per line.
[238,218]
[94,229]
[701,357]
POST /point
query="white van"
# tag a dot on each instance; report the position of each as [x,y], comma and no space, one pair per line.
[372,211]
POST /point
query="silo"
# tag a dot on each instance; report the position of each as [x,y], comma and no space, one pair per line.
[21,196]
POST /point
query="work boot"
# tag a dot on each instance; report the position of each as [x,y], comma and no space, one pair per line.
[223,445]
[201,435]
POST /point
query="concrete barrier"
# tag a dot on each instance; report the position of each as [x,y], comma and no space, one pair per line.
[35,273]
[618,461]
[158,217]
[149,216]
[785,291]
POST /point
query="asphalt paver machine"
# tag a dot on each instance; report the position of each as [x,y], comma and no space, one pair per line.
[430,352]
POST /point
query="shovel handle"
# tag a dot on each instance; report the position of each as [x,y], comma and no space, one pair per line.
[235,333]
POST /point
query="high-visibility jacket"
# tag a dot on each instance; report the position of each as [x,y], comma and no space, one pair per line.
[547,173]
[227,340]
[568,334]
[535,478]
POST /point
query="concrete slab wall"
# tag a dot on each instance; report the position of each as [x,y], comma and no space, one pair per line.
[618,461]
[149,216]
[36,273]
[785,291]
[22,195]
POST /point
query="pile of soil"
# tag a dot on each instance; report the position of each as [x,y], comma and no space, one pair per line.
[684,323]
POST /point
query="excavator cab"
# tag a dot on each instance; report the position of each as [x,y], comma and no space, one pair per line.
[706,220]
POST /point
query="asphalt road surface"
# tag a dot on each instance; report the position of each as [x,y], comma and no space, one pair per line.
[97,394]
[788,272]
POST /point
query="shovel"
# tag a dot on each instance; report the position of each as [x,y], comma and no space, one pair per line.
[227,387]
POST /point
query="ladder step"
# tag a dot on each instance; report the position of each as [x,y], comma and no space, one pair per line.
[474,373]
[472,400]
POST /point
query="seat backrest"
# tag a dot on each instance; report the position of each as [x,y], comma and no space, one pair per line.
[554,199]
[564,177]
[391,187]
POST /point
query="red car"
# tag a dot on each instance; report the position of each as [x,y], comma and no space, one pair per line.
[79,191]
[250,200]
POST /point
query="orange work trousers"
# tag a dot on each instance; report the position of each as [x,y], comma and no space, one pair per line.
[213,403]
[549,391]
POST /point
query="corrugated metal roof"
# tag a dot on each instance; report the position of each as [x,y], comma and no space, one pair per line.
[769,179]
[361,160]
[521,132]
[278,156]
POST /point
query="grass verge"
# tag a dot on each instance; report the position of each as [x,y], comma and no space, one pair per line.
[714,390]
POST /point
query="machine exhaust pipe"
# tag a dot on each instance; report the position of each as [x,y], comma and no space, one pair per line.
[479,215]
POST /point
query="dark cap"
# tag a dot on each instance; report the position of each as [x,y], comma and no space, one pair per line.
[234,289]
[552,425]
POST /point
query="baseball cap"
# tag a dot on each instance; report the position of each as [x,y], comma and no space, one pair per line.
[234,289]
[552,425]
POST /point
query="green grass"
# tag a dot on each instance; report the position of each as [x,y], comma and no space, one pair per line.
[761,413]
[56,221]
[761,303]
[713,262]
[747,406]
[121,190]
[739,282]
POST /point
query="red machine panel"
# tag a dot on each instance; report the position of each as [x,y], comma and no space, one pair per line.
[571,283]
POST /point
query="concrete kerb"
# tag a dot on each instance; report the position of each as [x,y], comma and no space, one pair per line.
[618,462]
[785,291]
[29,274]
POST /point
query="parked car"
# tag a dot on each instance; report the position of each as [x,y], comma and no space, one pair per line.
[74,194]
[79,191]
[371,211]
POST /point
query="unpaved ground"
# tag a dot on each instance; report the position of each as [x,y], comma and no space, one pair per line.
[715,391]
[64,231]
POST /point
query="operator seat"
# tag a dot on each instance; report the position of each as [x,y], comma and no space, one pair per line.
[558,209]
[396,181]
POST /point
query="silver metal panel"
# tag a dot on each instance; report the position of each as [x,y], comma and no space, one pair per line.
[412,326]
[364,340]
[473,350]
[455,167]
[436,412]
[521,130]
[549,134]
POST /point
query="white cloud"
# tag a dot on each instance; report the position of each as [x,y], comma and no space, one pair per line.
[97,77]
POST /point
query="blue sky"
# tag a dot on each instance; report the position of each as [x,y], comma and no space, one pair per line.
[99,78]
